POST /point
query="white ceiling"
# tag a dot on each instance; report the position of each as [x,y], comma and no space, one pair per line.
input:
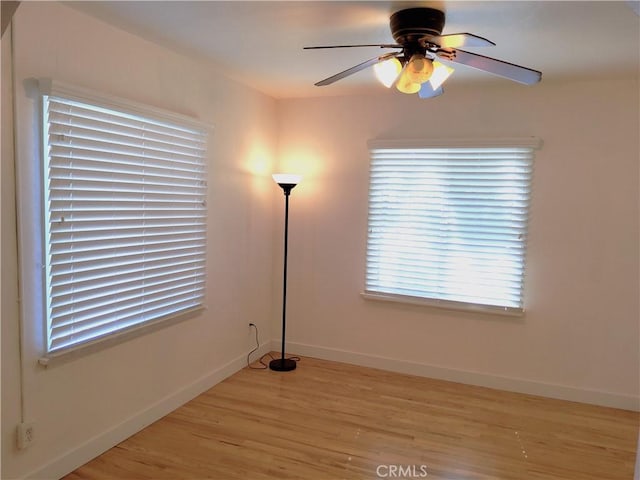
[260,43]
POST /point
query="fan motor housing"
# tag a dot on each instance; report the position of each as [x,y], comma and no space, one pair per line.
[410,25]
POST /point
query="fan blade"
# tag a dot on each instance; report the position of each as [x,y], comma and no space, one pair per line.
[427,91]
[501,68]
[455,40]
[357,68]
[381,45]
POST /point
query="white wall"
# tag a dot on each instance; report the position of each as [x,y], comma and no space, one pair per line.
[90,402]
[579,337]
[8,290]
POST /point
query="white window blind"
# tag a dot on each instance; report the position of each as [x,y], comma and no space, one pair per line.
[125,219]
[449,224]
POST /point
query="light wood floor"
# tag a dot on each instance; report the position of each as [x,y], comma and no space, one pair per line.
[328,420]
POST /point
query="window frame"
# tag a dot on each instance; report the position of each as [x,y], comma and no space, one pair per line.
[34,209]
[532,143]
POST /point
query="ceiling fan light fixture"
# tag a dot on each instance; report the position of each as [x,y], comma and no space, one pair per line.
[440,74]
[418,33]
[387,71]
[419,68]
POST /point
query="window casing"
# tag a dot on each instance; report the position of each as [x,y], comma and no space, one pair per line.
[124,190]
[448,222]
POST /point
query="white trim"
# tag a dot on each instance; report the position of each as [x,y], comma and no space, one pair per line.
[100,443]
[561,392]
[529,142]
[52,87]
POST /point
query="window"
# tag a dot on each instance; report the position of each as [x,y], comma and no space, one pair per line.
[124,217]
[448,223]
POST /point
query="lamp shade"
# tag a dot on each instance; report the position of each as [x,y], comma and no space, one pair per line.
[286,178]
[416,72]
[440,73]
[405,85]
[387,71]
[419,69]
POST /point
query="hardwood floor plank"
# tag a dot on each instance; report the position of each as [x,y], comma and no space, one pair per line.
[328,420]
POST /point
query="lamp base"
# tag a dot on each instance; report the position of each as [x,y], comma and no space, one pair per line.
[282,365]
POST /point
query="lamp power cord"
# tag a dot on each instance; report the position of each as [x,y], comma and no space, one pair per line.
[263,365]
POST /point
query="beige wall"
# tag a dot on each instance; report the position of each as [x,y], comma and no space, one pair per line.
[579,337]
[83,404]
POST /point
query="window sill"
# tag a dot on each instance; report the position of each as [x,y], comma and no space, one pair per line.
[81,349]
[444,304]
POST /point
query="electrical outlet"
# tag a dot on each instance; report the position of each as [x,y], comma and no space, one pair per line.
[25,434]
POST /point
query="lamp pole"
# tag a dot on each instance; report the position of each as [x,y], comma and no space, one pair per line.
[287,183]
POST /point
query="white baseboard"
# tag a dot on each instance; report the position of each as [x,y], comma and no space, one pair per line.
[561,392]
[99,444]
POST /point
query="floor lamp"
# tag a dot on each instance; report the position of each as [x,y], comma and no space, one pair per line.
[287,183]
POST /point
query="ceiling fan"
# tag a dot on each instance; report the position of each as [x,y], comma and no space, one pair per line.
[416,67]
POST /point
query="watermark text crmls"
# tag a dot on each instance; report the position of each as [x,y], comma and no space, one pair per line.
[401,471]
